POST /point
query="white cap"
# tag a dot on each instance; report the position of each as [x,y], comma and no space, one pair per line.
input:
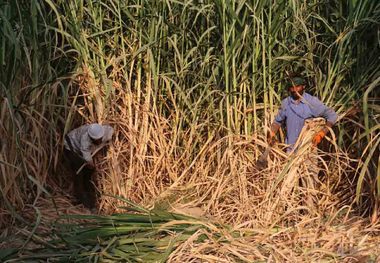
[95,131]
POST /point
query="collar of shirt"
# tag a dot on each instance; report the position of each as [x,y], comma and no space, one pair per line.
[303,99]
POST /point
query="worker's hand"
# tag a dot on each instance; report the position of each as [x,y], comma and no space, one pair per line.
[91,166]
[271,138]
[318,137]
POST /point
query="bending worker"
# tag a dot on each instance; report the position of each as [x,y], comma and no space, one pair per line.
[297,108]
[80,144]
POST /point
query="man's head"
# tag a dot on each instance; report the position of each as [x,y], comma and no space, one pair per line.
[96,133]
[296,87]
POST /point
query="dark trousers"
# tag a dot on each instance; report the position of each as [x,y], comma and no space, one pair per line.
[84,181]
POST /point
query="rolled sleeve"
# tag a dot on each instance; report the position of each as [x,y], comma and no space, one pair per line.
[86,148]
[321,110]
[87,156]
[330,115]
[281,115]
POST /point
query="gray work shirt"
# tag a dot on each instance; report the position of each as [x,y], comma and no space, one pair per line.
[82,144]
[294,115]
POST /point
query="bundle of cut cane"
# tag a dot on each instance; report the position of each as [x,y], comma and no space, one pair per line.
[298,181]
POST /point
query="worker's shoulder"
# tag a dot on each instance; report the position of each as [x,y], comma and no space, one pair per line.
[311,98]
[107,128]
[77,132]
[285,102]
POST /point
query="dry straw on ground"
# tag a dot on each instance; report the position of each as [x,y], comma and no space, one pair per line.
[286,212]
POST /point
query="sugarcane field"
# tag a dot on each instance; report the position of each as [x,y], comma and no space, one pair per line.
[190,131]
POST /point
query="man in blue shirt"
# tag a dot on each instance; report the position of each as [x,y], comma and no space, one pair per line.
[297,108]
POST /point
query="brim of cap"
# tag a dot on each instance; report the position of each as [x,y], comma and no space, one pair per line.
[95,137]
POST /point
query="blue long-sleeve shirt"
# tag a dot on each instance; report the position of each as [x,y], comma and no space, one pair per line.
[294,115]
